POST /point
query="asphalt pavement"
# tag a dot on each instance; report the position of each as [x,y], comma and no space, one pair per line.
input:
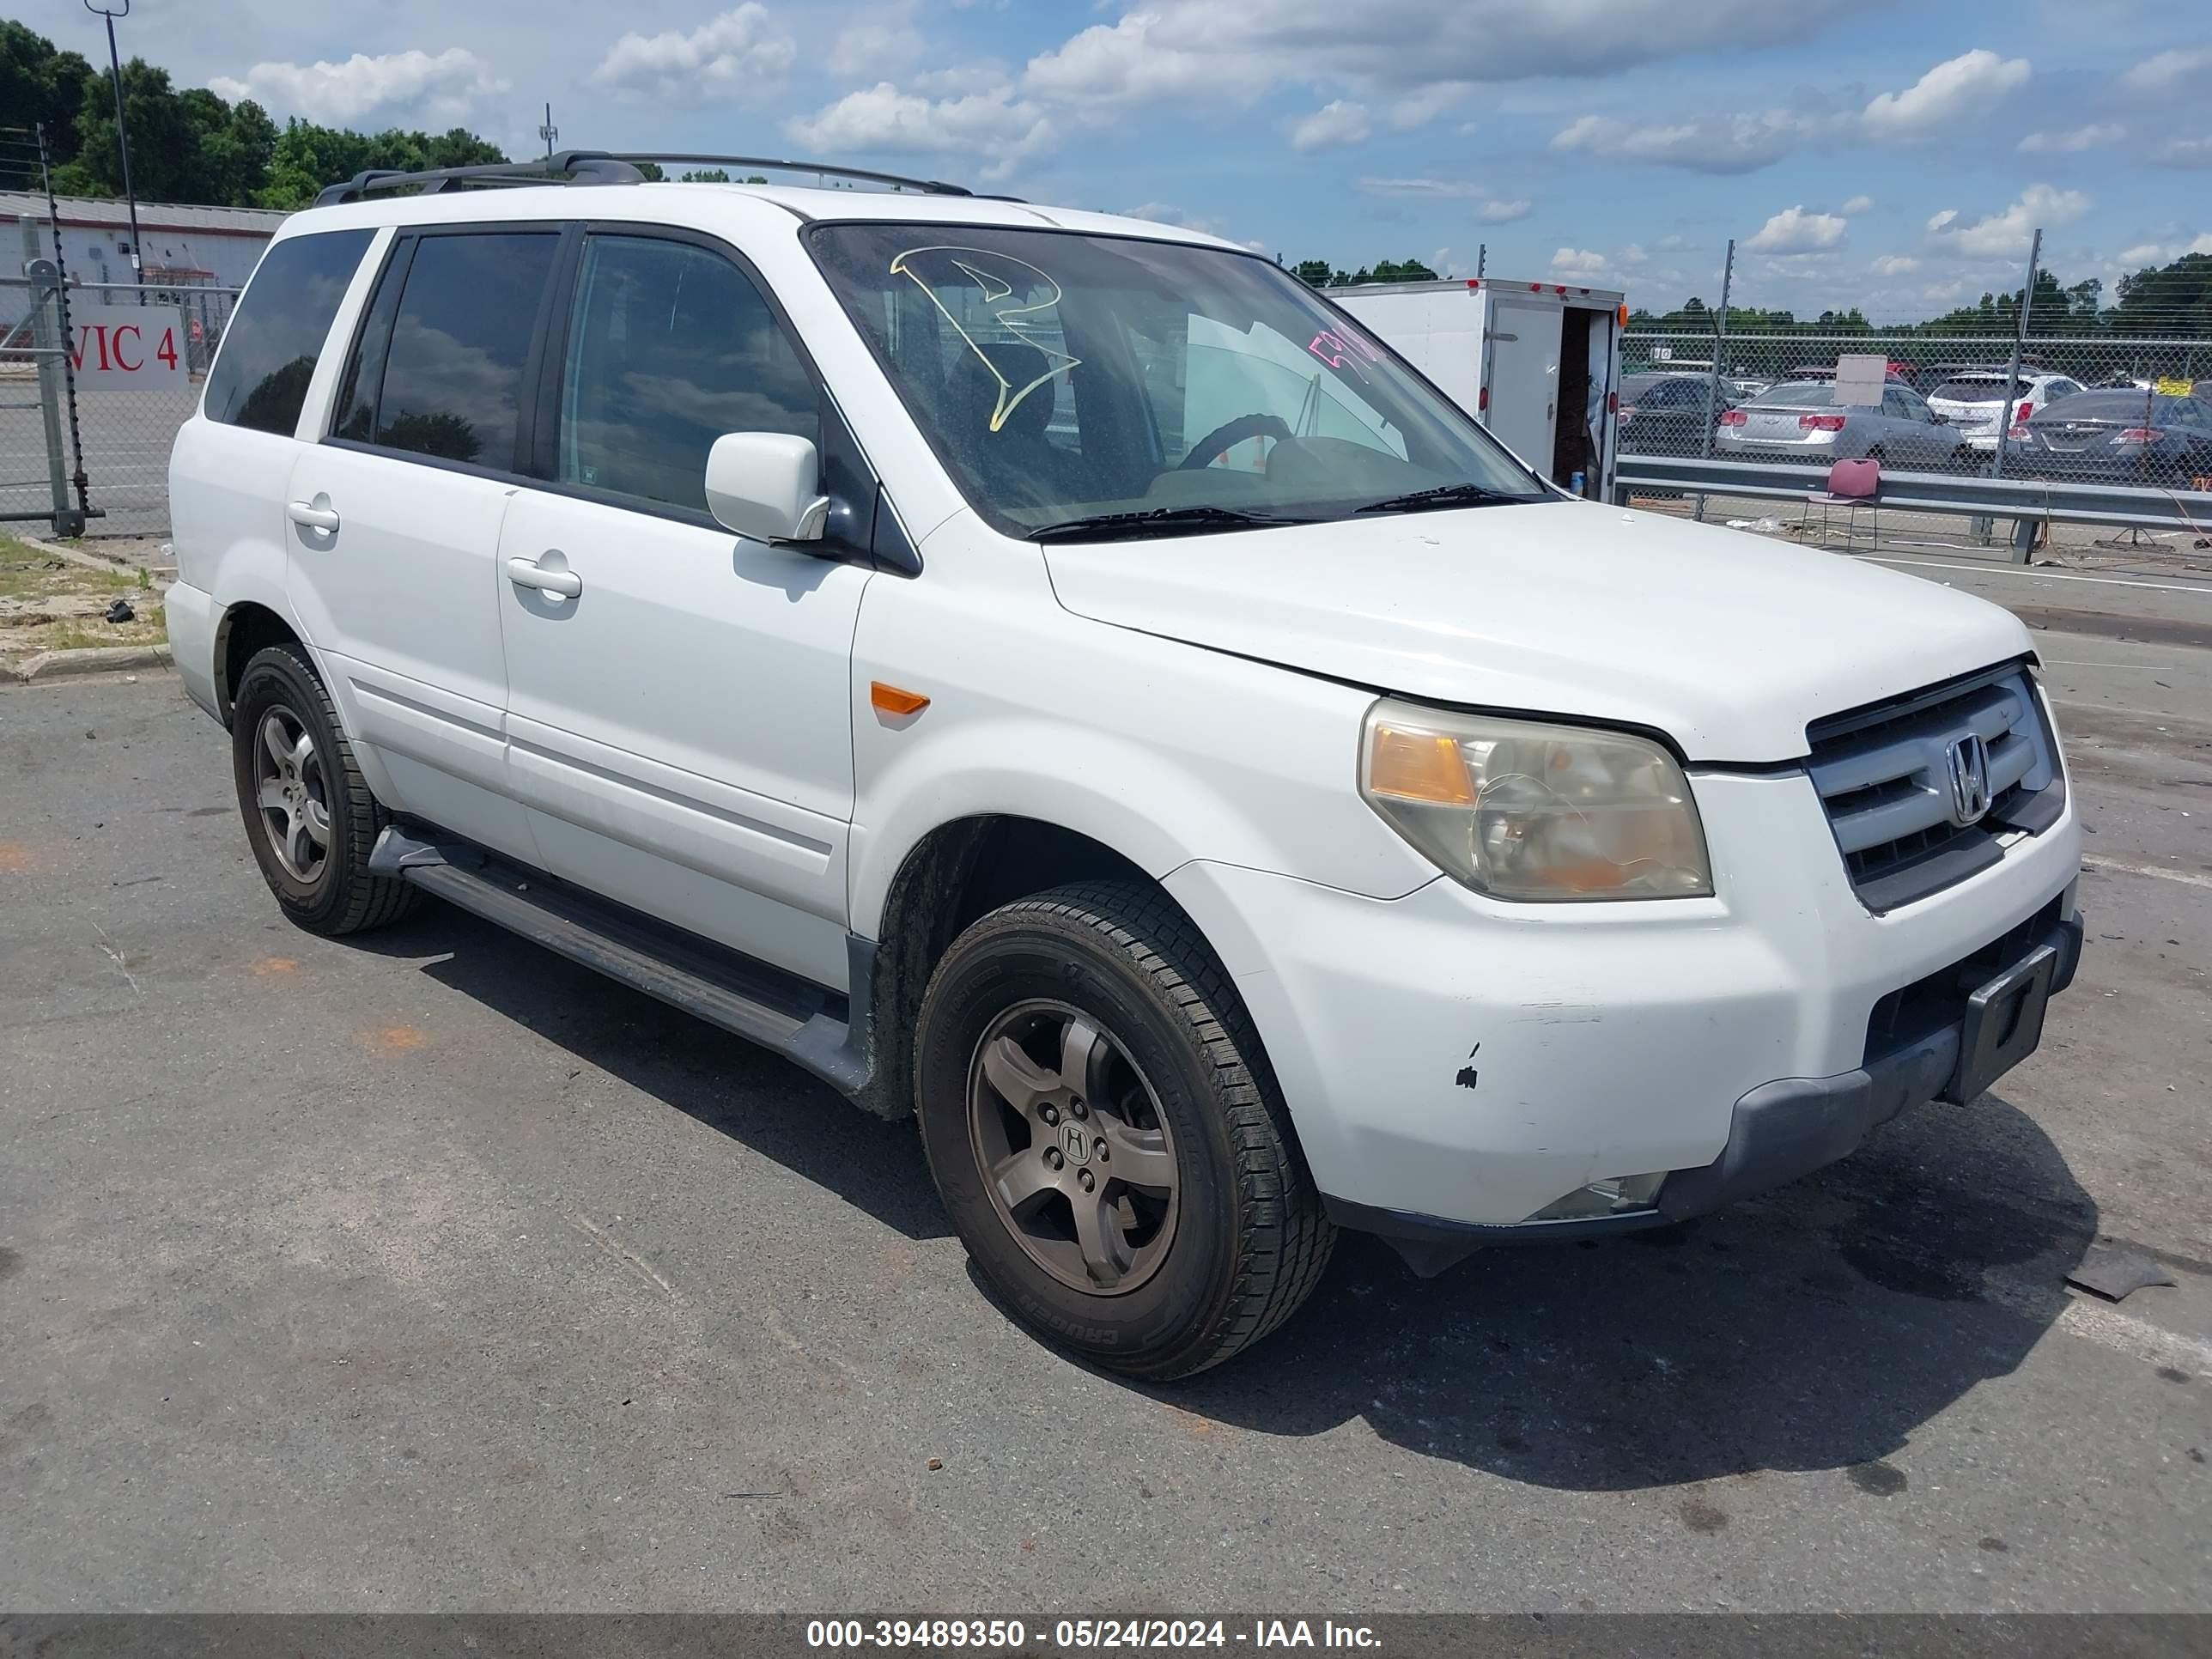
[426,1271]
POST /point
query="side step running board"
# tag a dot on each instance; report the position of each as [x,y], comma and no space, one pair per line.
[751,1000]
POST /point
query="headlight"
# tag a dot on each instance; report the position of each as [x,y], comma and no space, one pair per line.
[1522,810]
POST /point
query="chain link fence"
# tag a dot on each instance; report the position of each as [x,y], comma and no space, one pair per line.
[2080,408]
[117,432]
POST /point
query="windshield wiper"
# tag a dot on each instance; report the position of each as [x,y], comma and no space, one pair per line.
[1451,494]
[1155,521]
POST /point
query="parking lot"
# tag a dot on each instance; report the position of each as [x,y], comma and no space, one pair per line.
[428,1271]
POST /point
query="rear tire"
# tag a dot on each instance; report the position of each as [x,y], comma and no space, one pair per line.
[1095,1014]
[309,816]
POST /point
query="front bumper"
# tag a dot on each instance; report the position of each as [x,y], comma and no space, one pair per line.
[1444,1055]
[1777,1132]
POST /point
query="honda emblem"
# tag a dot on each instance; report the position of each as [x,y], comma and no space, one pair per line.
[1970,779]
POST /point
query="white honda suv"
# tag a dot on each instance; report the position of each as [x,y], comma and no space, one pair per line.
[1058,676]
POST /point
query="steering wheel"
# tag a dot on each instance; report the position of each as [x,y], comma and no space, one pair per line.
[1230,433]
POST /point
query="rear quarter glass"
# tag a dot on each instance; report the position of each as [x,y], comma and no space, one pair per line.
[269,351]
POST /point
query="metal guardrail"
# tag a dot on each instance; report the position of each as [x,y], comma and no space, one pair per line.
[2029,502]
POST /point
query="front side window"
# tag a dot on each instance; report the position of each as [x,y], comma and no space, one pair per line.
[1065,379]
[669,346]
[269,353]
[452,375]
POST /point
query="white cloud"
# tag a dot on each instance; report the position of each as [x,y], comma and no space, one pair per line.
[452,86]
[1633,254]
[1894,265]
[2096,135]
[2185,153]
[874,47]
[1793,230]
[1856,206]
[1749,139]
[1418,109]
[1496,212]
[1176,49]
[1579,262]
[1969,84]
[983,75]
[2157,253]
[882,120]
[2168,67]
[1704,143]
[724,58]
[2002,235]
[1332,126]
[1167,213]
[1436,189]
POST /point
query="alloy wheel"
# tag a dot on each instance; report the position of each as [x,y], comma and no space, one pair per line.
[1074,1150]
[292,792]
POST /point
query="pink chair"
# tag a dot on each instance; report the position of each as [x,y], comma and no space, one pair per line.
[1852,485]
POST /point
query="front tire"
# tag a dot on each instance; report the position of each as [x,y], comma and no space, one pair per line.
[309,816]
[1102,1126]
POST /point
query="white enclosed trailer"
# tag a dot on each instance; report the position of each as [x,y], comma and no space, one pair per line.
[1538,363]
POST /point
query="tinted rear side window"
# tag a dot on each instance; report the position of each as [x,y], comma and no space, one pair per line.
[452,374]
[268,356]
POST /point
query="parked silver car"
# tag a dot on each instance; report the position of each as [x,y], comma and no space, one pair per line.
[1802,421]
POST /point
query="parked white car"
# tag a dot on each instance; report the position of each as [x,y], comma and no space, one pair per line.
[1976,402]
[832,612]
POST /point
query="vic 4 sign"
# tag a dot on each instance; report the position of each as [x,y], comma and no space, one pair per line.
[137,346]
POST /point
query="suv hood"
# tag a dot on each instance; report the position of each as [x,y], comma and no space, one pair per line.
[1729,643]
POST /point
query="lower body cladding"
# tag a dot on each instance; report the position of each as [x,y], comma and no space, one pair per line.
[1464,1072]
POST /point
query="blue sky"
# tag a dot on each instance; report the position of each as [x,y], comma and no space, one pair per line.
[1889,156]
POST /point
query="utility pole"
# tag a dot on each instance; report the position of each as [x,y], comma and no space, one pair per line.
[2019,340]
[1481,259]
[1720,350]
[549,132]
[122,9]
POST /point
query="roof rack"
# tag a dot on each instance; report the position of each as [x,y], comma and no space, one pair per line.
[930,186]
[599,167]
[582,167]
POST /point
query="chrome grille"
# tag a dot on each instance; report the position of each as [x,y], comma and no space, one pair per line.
[1884,775]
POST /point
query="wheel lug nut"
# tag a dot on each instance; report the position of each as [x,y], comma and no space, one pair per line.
[1052,1160]
[1099,1148]
[1079,1108]
[1050,1115]
[1086,1179]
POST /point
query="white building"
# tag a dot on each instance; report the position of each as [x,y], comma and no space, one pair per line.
[184,246]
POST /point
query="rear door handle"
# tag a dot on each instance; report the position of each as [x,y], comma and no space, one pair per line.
[308,516]
[528,573]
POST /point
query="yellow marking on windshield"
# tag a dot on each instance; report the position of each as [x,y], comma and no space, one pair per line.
[1017,320]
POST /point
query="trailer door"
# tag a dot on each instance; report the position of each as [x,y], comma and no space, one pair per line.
[1524,377]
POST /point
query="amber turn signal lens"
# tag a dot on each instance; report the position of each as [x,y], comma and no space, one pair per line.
[1414,765]
[894,700]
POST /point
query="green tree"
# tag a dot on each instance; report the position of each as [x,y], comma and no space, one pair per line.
[1314,273]
[705,176]
[42,86]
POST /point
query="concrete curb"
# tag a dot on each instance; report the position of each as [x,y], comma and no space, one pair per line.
[94,659]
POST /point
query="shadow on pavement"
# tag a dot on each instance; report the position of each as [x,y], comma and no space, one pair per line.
[1814,1327]
[726,1082]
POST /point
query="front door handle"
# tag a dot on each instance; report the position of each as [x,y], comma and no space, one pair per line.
[528,572]
[310,516]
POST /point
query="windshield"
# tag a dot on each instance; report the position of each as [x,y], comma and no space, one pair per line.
[1065,377]
[1796,394]
[1978,390]
[2137,406]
